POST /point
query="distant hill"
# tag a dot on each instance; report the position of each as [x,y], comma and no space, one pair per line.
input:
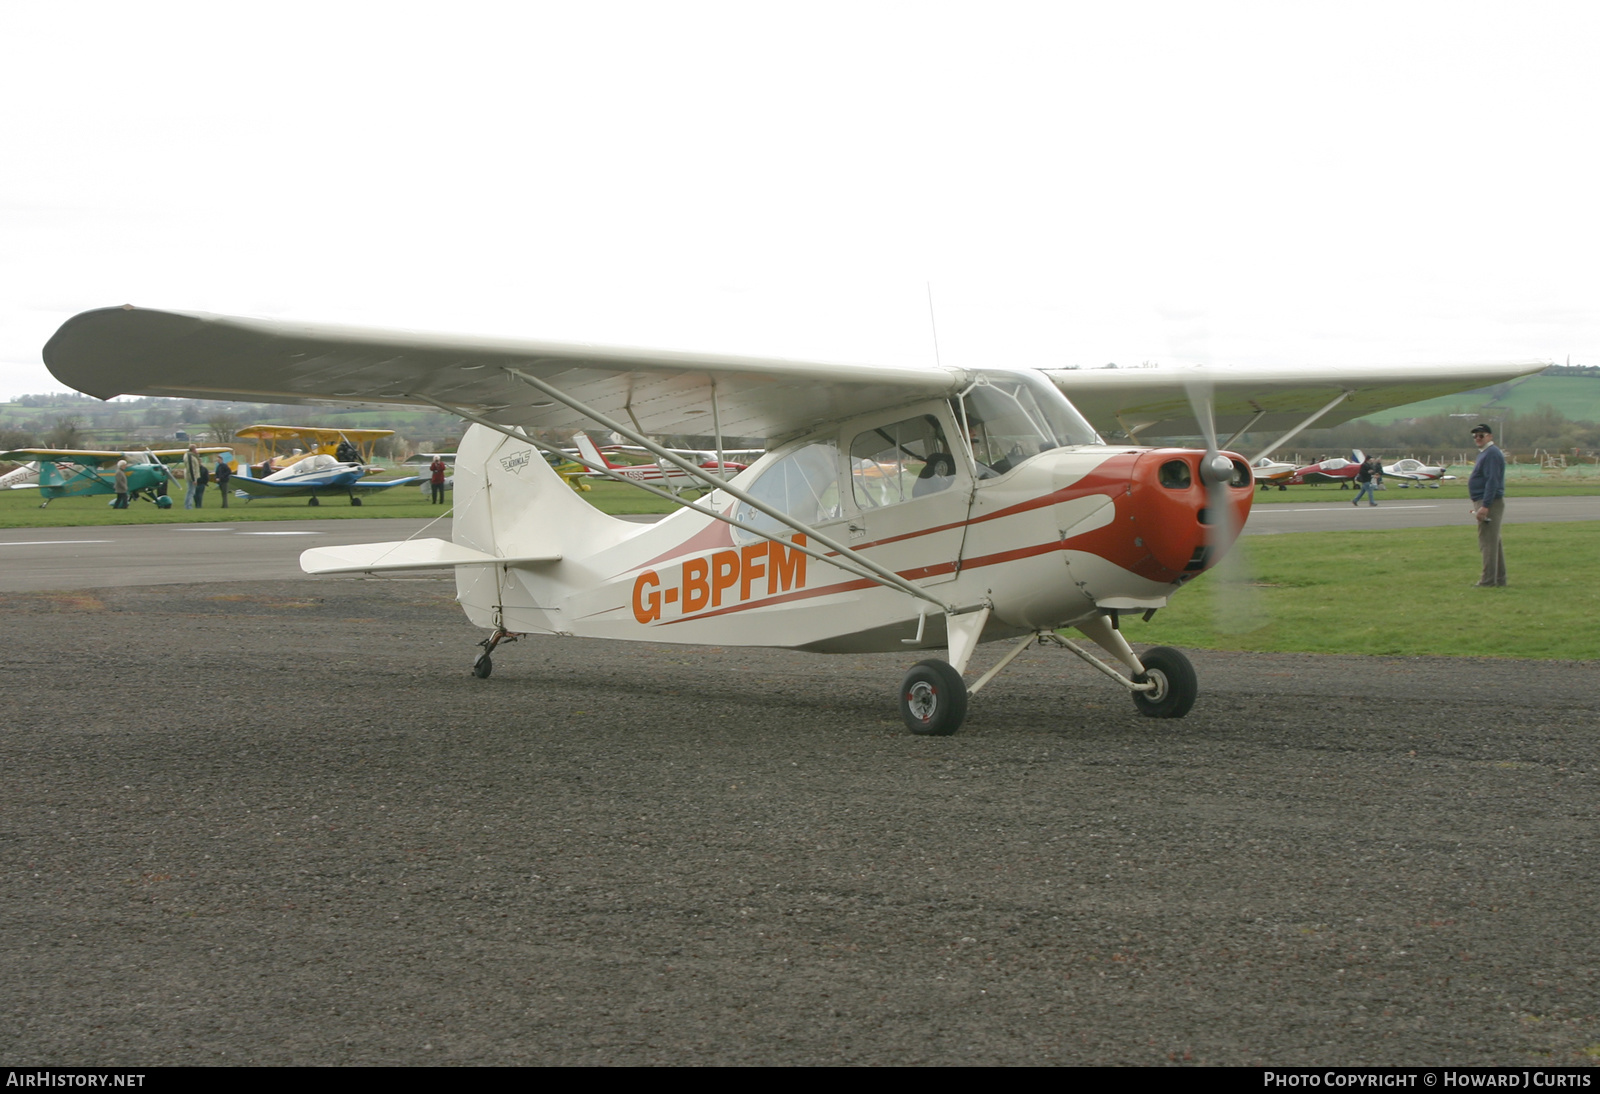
[1577,398]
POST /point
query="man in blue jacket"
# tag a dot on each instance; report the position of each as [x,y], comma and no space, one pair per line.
[1487,489]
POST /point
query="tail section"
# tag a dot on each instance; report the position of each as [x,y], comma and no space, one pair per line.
[510,503]
[588,451]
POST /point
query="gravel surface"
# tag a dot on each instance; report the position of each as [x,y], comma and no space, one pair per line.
[280,822]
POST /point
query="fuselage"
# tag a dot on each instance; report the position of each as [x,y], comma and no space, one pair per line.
[960,499]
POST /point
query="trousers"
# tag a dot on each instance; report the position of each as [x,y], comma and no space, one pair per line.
[1490,547]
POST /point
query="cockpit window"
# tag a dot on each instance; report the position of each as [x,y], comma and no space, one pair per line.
[804,485]
[1012,416]
[900,461]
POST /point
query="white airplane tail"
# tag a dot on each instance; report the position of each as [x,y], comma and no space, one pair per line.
[510,503]
[588,451]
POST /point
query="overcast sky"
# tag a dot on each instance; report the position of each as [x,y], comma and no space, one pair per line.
[1079,182]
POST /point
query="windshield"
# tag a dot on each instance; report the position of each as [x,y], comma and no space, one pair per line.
[1011,416]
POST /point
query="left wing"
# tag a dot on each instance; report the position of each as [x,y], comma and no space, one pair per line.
[130,350]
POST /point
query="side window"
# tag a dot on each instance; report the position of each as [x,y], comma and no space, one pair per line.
[895,463]
[804,485]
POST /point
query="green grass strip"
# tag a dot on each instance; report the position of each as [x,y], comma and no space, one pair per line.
[1394,593]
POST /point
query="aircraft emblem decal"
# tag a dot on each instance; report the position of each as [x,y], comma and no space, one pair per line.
[515,462]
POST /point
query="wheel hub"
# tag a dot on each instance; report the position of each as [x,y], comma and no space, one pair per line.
[923,700]
[1158,684]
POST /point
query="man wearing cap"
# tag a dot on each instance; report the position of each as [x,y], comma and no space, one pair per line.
[1487,488]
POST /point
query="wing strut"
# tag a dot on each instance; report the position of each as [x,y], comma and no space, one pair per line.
[1293,433]
[1244,429]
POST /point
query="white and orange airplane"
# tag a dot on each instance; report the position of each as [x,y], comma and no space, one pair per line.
[897,509]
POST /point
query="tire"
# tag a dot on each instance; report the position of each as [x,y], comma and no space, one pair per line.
[1176,683]
[933,699]
[354,500]
[483,666]
[313,500]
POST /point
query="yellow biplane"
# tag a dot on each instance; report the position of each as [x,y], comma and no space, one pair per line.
[287,444]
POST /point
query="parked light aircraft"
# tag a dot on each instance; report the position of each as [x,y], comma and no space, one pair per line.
[285,444]
[1002,514]
[314,477]
[1416,471]
[660,472]
[1271,472]
[1336,469]
[77,472]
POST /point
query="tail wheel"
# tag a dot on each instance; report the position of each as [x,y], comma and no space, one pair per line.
[482,667]
[933,699]
[1175,684]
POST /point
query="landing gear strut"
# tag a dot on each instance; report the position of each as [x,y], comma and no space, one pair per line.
[483,664]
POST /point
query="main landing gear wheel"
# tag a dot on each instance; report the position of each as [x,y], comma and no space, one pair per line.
[1175,684]
[483,666]
[354,500]
[313,500]
[933,699]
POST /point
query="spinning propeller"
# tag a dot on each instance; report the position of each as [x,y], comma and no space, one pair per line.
[1236,604]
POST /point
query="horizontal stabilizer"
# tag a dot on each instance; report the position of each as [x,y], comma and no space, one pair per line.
[410,554]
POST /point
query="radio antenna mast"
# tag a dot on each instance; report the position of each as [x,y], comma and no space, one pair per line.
[932,325]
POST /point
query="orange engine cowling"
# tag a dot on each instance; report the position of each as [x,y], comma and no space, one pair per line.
[1171,511]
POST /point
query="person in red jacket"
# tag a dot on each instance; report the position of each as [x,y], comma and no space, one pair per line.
[437,479]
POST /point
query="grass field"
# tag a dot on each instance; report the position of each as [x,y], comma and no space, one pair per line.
[20,508]
[1396,593]
[1522,481]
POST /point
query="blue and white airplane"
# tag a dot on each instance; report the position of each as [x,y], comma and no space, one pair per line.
[319,476]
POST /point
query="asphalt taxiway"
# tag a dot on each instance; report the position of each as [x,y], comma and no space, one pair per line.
[265,821]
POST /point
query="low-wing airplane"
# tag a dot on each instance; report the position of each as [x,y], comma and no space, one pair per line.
[78,472]
[315,477]
[1416,471]
[1270,472]
[660,472]
[993,512]
[1336,469]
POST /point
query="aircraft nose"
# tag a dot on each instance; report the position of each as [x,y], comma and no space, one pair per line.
[1171,509]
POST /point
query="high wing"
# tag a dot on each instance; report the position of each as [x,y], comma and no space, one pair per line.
[62,455]
[1154,402]
[138,351]
[97,458]
[128,350]
[319,433]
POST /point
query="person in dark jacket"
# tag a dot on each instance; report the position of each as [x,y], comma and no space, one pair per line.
[1486,486]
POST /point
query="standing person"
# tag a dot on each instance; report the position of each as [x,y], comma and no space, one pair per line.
[1367,479]
[200,485]
[192,466]
[1486,486]
[222,474]
[120,481]
[437,480]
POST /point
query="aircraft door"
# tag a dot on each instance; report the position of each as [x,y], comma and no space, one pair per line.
[908,495]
